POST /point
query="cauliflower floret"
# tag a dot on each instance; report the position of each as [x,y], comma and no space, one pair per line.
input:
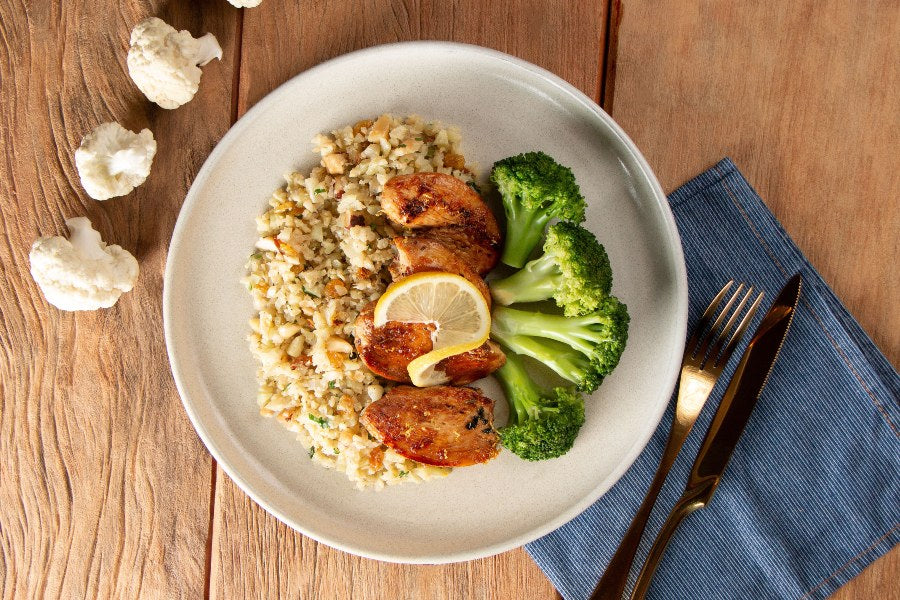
[245,3]
[112,161]
[82,272]
[164,63]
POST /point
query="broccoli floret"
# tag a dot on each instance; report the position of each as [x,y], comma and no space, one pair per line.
[574,270]
[582,349]
[535,189]
[541,425]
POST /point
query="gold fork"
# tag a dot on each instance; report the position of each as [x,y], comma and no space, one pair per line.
[705,357]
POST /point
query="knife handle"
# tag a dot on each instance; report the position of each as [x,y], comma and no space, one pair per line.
[692,499]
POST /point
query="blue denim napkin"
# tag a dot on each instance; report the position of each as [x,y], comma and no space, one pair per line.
[812,493]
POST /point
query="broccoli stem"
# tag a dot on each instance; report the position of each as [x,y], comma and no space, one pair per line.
[564,361]
[524,230]
[522,394]
[576,332]
[537,280]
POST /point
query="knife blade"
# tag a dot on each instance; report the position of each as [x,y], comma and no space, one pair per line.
[744,390]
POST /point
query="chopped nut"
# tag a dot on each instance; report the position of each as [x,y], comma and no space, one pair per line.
[284,248]
[336,359]
[295,347]
[335,163]
[335,288]
[380,129]
[338,344]
[298,265]
[455,161]
[360,125]
[345,405]
[287,415]
[376,457]
[408,146]
[289,252]
[288,330]
[324,144]
[267,243]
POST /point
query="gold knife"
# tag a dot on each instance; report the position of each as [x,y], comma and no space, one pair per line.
[728,423]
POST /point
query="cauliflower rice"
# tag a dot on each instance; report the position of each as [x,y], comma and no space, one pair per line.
[323,254]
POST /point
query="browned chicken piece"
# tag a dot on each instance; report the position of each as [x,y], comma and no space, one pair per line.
[436,200]
[419,253]
[481,258]
[388,350]
[442,426]
[448,208]
[473,365]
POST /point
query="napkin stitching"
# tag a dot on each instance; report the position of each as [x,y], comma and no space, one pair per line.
[848,563]
[815,315]
[676,199]
[875,400]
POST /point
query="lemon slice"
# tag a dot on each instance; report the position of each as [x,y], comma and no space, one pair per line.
[452,304]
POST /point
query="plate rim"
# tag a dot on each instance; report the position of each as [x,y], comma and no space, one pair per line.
[674,245]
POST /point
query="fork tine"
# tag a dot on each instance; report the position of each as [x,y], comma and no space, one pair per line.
[739,332]
[714,330]
[726,329]
[690,347]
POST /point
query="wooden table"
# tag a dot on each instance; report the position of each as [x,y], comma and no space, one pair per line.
[105,489]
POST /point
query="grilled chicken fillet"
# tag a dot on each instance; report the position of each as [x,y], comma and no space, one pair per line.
[418,253]
[388,350]
[442,426]
[449,211]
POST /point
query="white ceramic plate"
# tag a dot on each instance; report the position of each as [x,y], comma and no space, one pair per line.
[503,106]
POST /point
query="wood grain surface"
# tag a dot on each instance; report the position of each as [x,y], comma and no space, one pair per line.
[805,97]
[105,490]
[104,486]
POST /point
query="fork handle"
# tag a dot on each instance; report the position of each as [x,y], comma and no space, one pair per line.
[690,501]
[612,584]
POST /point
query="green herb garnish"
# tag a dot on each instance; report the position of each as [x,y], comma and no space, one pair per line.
[309,293]
[331,384]
[319,191]
[322,421]
[312,451]
[402,473]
